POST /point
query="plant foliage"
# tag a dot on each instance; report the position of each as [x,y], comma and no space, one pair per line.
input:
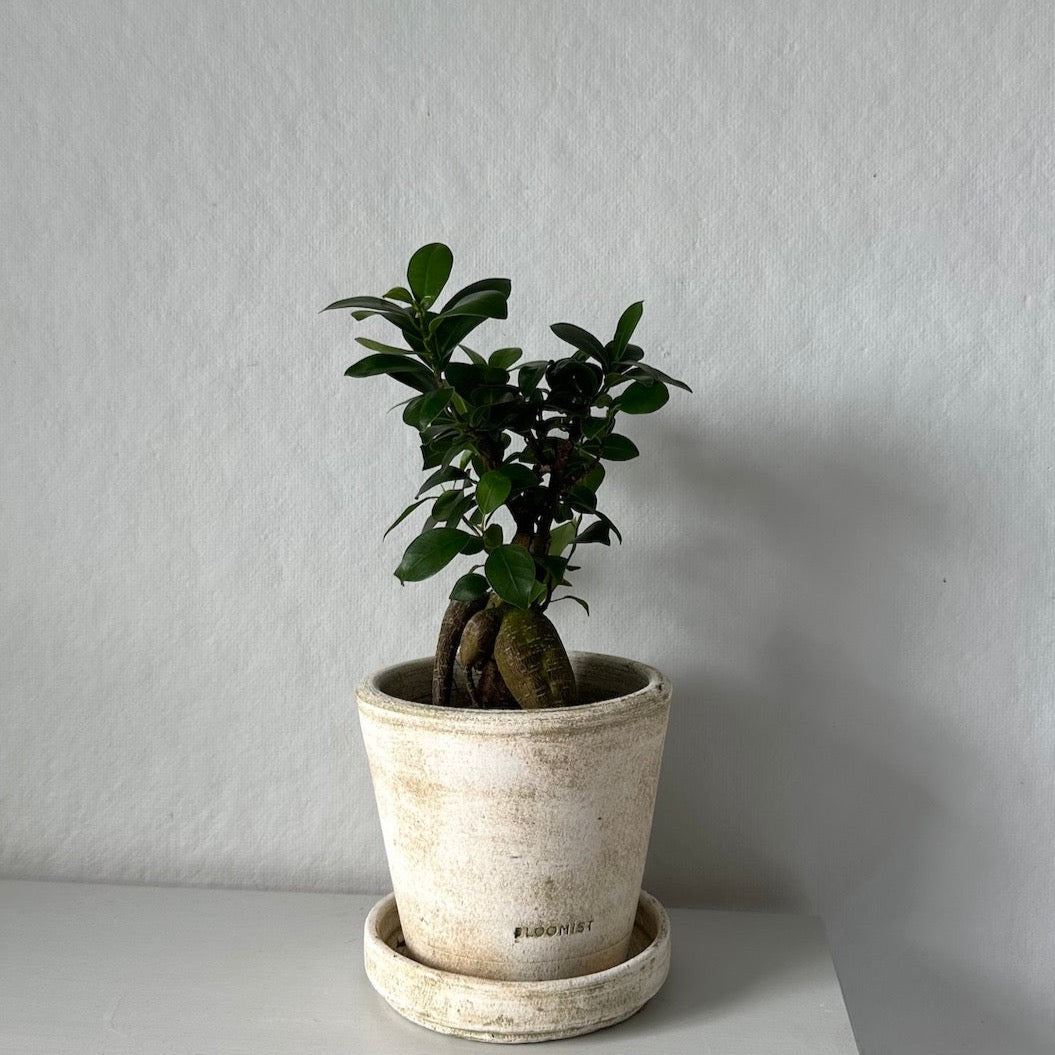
[514,450]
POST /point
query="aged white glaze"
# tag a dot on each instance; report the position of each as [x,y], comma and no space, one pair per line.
[516,840]
[516,1012]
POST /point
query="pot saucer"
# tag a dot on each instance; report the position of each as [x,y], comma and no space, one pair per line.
[516,1012]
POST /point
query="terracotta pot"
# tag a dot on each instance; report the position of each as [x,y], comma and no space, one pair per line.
[516,840]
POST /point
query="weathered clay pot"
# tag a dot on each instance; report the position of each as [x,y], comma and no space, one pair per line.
[516,1012]
[516,840]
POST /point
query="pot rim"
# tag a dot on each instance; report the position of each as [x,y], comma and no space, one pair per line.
[652,694]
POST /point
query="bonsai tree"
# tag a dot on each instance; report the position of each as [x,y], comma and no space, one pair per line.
[515,453]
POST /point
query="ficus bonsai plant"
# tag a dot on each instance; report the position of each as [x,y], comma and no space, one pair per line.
[515,451]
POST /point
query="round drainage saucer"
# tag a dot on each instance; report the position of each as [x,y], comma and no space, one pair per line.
[516,1012]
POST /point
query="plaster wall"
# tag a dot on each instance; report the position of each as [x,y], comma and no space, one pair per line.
[839,216]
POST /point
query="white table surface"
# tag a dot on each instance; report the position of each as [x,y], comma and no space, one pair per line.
[111,970]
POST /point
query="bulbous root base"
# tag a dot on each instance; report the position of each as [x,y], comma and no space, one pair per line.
[512,657]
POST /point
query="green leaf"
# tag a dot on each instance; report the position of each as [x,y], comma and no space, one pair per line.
[374,305]
[466,377]
[428,271]
[484,303]
[604,520]
[423,410]
[458,510]
[573,384]
[377,346]
[596,532]
[520,476]
[646,373]
[430,552]
[403,516]
[592,428]
[641,398]
[491,394]
[594,478]
[554,567]
[476,357]
[618,448]
[492,490]
[398,367]
[624,329]
[493,537]
[531,373]
[581,499]
[431,455]
[511,572]
[443,476]
[579,338]
[493,408]
[504,358]
[449,332]
[384,363]
[399,293]
[494,285]
[470,587]
[446,504]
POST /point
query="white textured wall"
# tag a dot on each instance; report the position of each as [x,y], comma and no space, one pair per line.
[840,218]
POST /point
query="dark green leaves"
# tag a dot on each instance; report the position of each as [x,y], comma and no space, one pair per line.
[594,478]
[398,367]
[383,363]
[521,458]
[432,551]
[511,572]
[504,358]
[373,305]
[596,532]
[592,428]
[403,516]
[553,568]
[499,286]
[611,527]
[578,338]
[470,587]
[483,303]
[625,329]
[618,448]
[639,398]
[465,311]
[423,410]
[377,346]
[451,506]
[531,374]
[446,475]
[492,490]
[493,537]
[428,271]
[646,373]
[467,377]
[581,499]
[573,384]
[561,538]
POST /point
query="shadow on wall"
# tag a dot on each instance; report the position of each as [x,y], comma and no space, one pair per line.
[809,765]
[793,759]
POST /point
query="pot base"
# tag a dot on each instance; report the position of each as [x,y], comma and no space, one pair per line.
[516,1012]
